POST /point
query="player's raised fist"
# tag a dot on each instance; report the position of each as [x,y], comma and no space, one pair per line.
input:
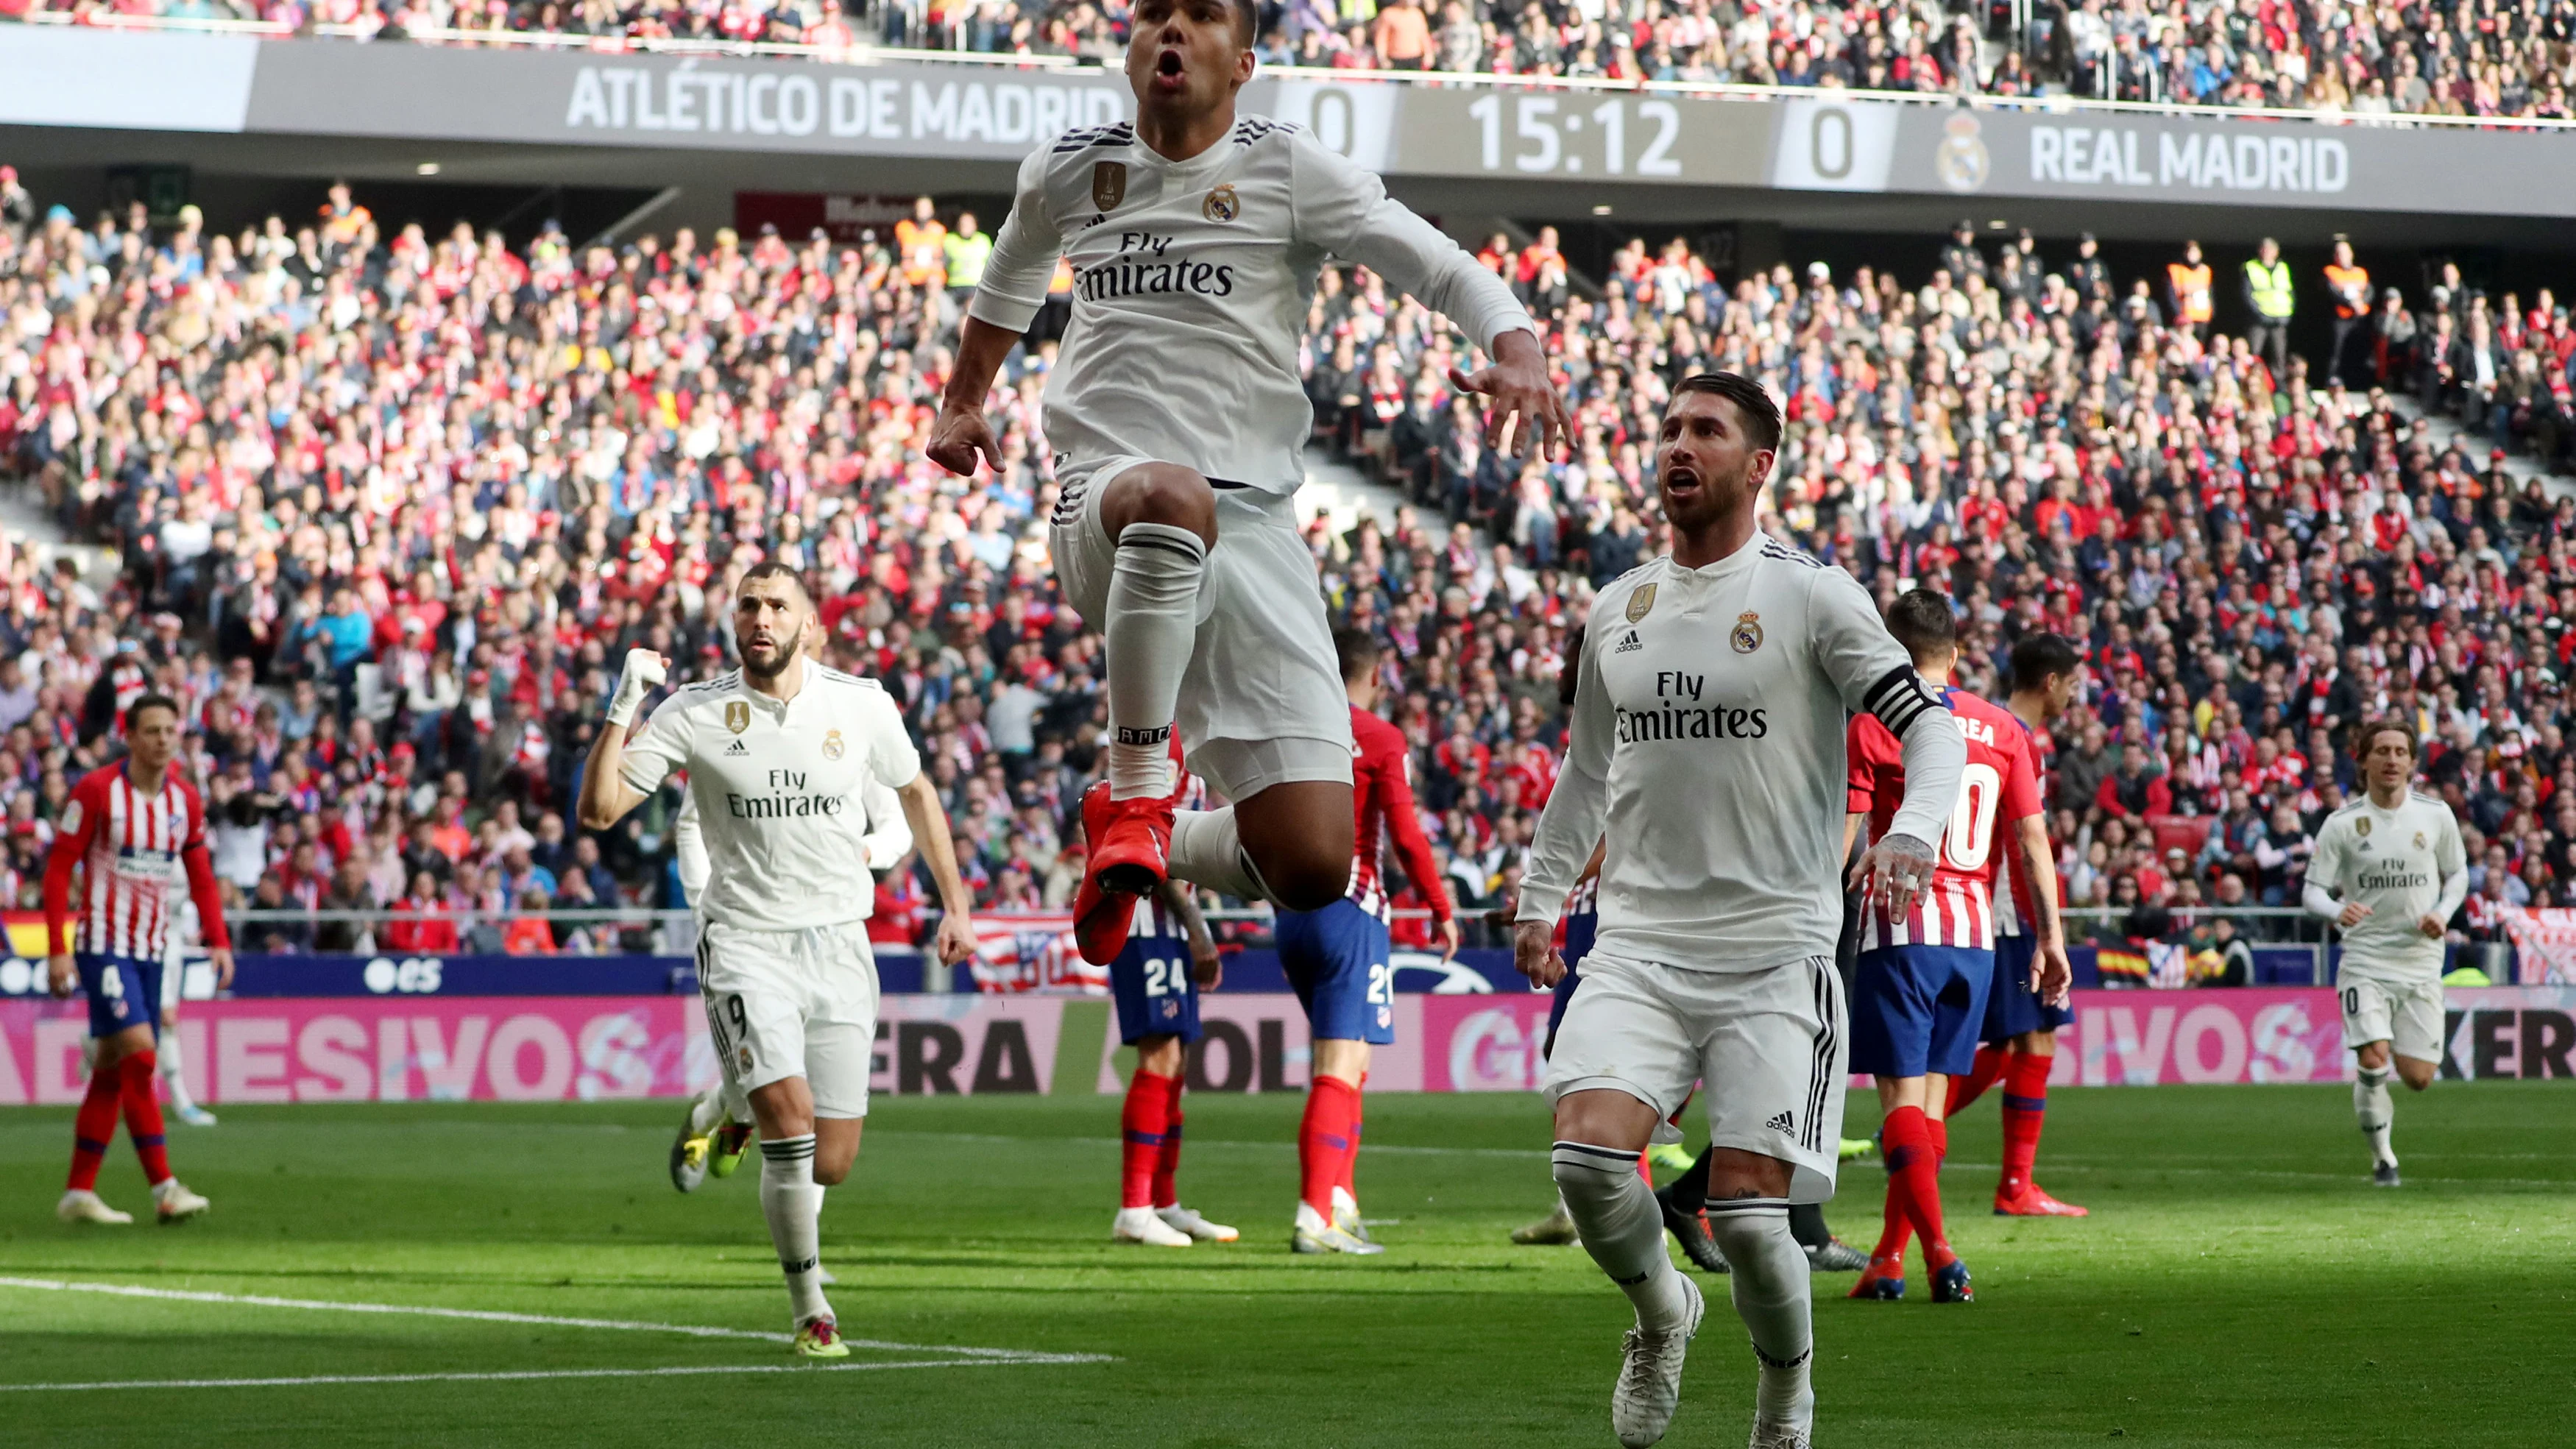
[644,670]
[1534,953]
[956,939]
[960,437]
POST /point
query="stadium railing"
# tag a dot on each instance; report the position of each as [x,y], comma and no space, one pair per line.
[868,54]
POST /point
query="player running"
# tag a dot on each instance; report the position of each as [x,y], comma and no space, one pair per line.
[777,753]
[716,1130]
[1919,988]
[1708,740]
[1340,960]
[133,830]
[1168,960]
[2020,1038]
[2389,870]
[1179,422]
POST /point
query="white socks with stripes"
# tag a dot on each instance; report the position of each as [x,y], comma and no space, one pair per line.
[707,1113]
[794,1207]
[1207,850]
[1153,623]
[1615,1214]
[2370,1103]
[1773,1297]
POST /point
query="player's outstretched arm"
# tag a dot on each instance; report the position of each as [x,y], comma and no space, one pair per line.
[606,796]
[1520,397]
[1014,286]
[921,809]
[963,435]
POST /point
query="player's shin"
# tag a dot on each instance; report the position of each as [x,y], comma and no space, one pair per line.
[1992,1063]
[143,1115]
[174,1071]
[793,1205]
[1623,1230]
[2025,1112]
[1151,627]
[1773,1297]
[94,1127]
[1323,1143]
[1143,1123]
[1166,1188]
[2370,1103]
[1914,1176]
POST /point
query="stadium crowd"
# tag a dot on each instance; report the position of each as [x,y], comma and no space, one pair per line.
[2499,58]
[389,504]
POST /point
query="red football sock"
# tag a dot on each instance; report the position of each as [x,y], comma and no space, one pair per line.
[143,1115]
[1144,1125]
[1167,1163]
[2025,1109]
[95,1126]
[1964,1090]
[1324,1141]
[1349,1179]
[1914,1177]
[1939,1128]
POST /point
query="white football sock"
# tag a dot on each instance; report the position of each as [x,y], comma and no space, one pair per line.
[1615,1214]
[2370,1103]
[174,1070]
[1153,623]
[707,1112]
[1207,850]
[1773,1297]
[794,1207]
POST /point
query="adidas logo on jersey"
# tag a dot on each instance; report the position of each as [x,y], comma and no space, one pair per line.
[1629,644]
[1781,1123]
[737,747]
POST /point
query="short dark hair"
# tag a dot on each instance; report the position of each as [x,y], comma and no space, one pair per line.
[1923,621]
[2037,657]
[1247,24]
[771,568]
[2372,729]
[1358,651]
[1761,415]
[134,711]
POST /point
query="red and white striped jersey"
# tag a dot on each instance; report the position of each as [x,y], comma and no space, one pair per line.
[2015,913]
[1997,791]
[1385,815]
[134,851]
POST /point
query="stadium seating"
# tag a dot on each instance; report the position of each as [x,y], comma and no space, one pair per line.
[430,487]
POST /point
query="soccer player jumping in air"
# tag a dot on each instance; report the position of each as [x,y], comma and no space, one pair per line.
[1707,746]
[133,830]
[1178,421]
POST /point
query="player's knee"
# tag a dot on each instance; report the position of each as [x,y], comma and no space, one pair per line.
[1304,872]
[830,1174]
[1164,493]
[2416,1075]
[1588,1173]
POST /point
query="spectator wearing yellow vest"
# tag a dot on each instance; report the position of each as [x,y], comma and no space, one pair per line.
[2187,291]
[967,250]
[2268,294]
[2349,282]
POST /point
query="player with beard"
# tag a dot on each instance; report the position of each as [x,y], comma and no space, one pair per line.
[779,753]
[1707,747]
[1179,422]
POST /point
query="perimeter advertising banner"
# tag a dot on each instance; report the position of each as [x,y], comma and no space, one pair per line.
[580,1048]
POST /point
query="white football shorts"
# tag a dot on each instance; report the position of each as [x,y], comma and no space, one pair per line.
[1262,703]
[1770,1048]
[2407,1016]
[797,1003]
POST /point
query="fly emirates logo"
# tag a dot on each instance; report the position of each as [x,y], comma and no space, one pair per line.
[786,800]
[1146,266]
[1681,713]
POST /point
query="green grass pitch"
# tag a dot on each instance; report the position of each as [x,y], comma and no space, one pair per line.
[2240,1283]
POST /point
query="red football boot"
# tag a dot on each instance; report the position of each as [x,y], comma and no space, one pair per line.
[1130,844]
[2033,1201]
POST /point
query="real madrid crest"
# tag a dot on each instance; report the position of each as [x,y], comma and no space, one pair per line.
[832,746]
[1747,634]
[737,715]
[1221,204]
[1961,160]
[1641,602]
[1108,184]
[2419,840]
[2362,824]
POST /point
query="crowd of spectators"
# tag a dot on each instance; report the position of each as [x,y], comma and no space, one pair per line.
[2498,58]
[387,504]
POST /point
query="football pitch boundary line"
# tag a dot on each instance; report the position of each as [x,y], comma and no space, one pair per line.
[959,1353]
[687,1370]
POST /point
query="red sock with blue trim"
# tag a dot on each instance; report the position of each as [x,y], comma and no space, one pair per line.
[143,1114]
[1347,1182]
[1964,1090]
[1167,1162]
[1144,1123]
[95,1126]
[1324,1140]
[2025,1109]
[1913,1187]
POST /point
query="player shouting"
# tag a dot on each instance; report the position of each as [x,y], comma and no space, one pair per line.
[132,830]
[1919,987]
[2021,1028]
[1179,420]
[778,753]
[1707,746]
[1339,961]
[2389,870]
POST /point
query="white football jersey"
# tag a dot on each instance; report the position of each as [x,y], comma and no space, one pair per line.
[2393,861]
[1708,739]
[889,836]
[1191,282]
[781,791]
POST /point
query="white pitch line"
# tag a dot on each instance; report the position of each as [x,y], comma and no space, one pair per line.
[489,1315]
[651,1373]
